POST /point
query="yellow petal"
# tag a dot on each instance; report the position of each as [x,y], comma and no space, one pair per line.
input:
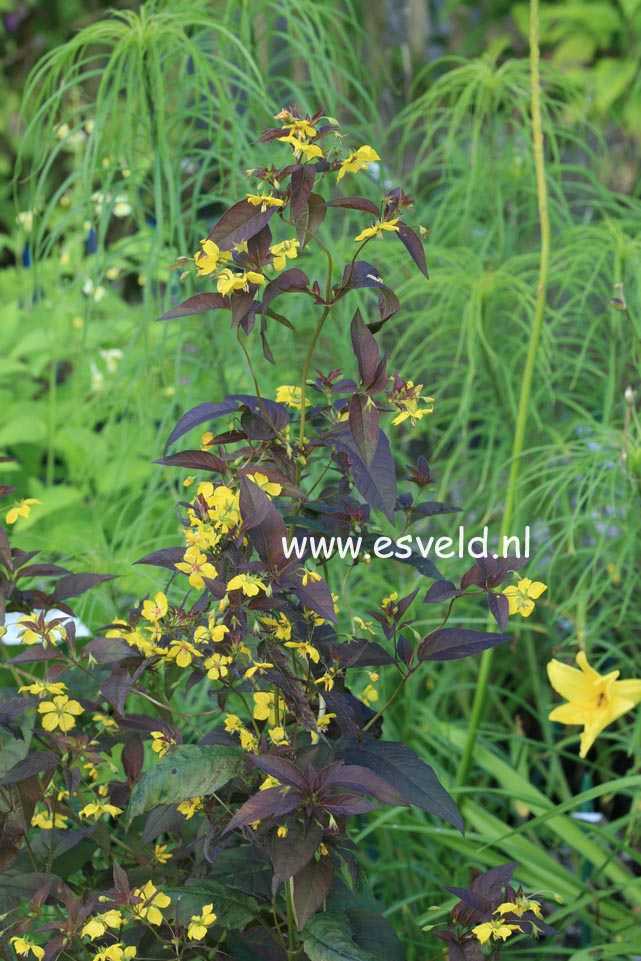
[570,683]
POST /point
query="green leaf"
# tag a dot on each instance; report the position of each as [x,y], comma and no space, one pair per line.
[328,937]
[188,771]
[612,77]
[233,909]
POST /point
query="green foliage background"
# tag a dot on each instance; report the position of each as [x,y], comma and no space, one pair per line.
[173,95]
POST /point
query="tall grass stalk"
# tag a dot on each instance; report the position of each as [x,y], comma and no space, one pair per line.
[528,373]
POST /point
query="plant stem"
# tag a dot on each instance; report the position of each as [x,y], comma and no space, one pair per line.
[480,695]
[292,950]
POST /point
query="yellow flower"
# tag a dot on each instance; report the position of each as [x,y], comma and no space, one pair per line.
[213,632]
[216,666]
[363,625]
[269,781]
[264,707]
[161,743]
[264,201]
[250,584]
[257,666]
[309,150]
[43,687]
[357,160]
[521,598]
[48,635]
[182,652]
[389,601]
[228,282]
[519,906]
[222,506]
[161,854]
[309,577]
[377,228]
[327,680]
[190,807]
[198,567]
[61,712]
[278,736]
[288,248]
[97,809]
[156,609]
[24,947]
[108,723]
[304,650]
[23,509]
[301,129]
[232,723]
[97,926]
[494,929]
[208,258]
[46,820]
[282,831]
[594,700]
[407,400]
[279,626]
[153,902]
[248,741]
[197,929]
[369,695]
[206,440]
[290,396]
[262,481]
[116,952]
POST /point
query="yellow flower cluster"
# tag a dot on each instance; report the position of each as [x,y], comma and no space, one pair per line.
[408,399]
[496,929]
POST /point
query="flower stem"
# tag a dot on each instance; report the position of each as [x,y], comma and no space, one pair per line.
[480,696]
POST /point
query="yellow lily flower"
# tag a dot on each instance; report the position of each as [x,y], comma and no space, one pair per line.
[594,700]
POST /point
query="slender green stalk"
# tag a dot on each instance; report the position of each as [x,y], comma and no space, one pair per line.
[292,950]
[528,373]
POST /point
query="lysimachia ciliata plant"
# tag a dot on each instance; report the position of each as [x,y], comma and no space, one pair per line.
[141,829]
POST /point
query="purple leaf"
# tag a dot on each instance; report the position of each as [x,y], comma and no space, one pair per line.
[308,224]
[402,768]
[314,595]
[360,780]
[108,650]
[441,591]
[290,854]
[282,769]
[74,584]
[451,643]
[266,804]
[361,274]
[302,184]
[377,483]
[198,304]
[355,203]
[42,570]
[291,280]
[365,349]
[311,887]
[239,223]
[167,557]
[33,763]
[195,460]
[346,805]
[264,524]
[359,653]
[363,424]
[198,415]
[499,609]
[414,246]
